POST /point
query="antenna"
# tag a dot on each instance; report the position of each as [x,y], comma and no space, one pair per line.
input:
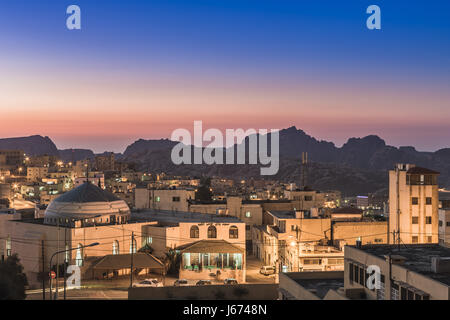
[304,171]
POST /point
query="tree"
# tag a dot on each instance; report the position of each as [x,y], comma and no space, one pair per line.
[12,279]
[204,190]
[173,261]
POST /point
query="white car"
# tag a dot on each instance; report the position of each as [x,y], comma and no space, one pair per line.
[148,283]
[181,283]
[267,270]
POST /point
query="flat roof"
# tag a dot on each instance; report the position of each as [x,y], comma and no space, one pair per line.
[180,216]
[418,257]
[321,286]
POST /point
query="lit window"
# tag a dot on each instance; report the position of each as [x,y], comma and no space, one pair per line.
[212,232]
[194,232]
[234,232]
[116,247]
[248,214]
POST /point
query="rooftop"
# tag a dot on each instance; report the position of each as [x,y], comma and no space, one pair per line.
[177,217]
[320,287]
[346,210]
[420,170]
[87,192]
[418,257]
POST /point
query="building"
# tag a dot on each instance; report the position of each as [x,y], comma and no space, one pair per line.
[413,205]
[163,199]
[295,242]
[366,232]
[36,174]
[10,159]
[305,199]
[411,272]
[105,162]
[209,244]
[319,285]
[82,216]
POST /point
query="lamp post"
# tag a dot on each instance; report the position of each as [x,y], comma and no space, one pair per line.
[63,251]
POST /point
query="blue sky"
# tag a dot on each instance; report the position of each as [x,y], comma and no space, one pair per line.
[314,62]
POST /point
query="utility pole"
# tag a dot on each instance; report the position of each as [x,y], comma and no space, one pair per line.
[43,271]
[131,265]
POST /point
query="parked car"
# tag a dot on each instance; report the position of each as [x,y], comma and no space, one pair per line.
[203,283]
[267,270]
[181,283]
[148,283]
[230,281]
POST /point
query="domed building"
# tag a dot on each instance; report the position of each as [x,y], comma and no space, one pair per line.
[88,204]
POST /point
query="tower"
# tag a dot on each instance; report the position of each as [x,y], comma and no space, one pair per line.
[413,205]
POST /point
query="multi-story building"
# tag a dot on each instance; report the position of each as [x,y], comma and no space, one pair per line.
[305,199]
[163,199]
[413,205]
[208,243]
[105,162]
[412,272]
[10,159]
[36,174]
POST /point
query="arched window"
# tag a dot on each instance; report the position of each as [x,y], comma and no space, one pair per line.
[79,256]
[133,246]
[116,247]
[212,232]
[234,232]
[195,232]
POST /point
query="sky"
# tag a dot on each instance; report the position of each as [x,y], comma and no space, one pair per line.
[141,69]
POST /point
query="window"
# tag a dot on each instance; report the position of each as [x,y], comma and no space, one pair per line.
[66,255]
[212,232]
[428,200]
[147,240]
[79,255]
[116,247]
[429,239]
[8,247]
[308,198]
[415,239]
[175,199]
[440,223]
[195,232]
[234,232]
[415,200]
[378,240]
[448,224]
[415,220]
[248,214]
[157,199]
[133,246]
[312,261]
[428,220]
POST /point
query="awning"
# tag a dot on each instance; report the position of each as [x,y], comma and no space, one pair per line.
[211,246]
[123,261]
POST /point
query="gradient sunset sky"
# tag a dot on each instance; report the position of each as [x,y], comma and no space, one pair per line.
[141,69]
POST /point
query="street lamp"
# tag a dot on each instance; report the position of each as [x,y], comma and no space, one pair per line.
[63,251]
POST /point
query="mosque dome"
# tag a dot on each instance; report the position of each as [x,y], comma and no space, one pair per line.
[89,204]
